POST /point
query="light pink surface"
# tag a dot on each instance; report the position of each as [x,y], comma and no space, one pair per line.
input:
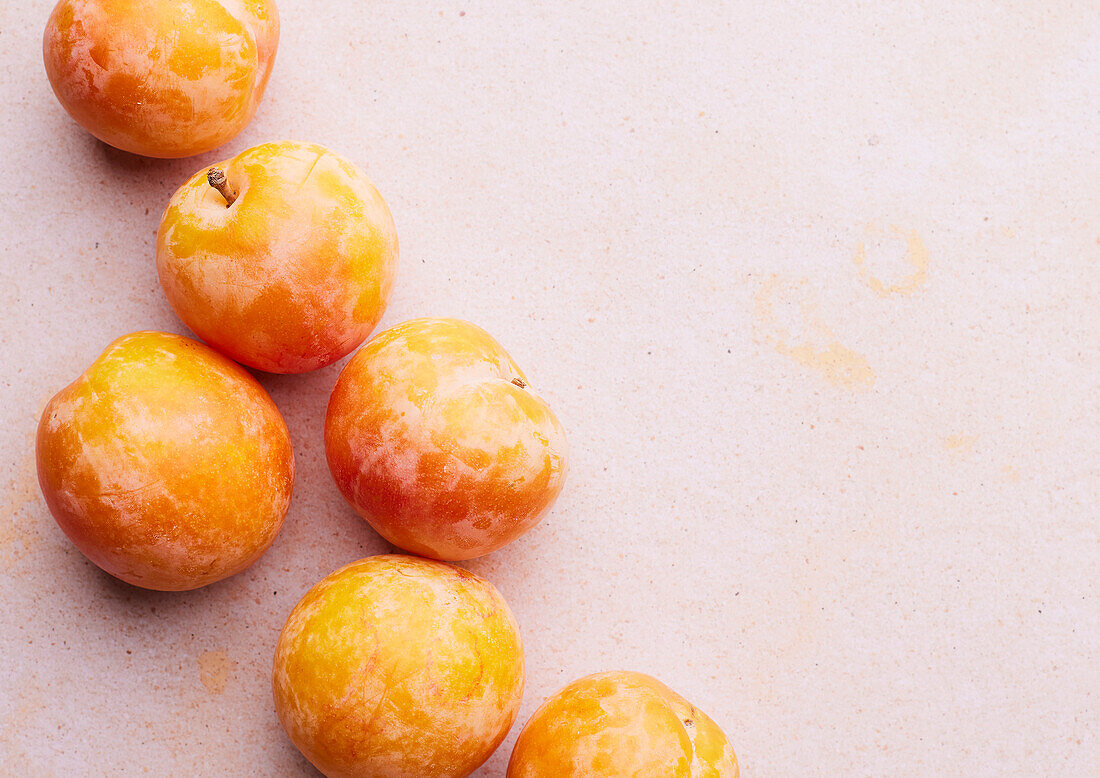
[812,287]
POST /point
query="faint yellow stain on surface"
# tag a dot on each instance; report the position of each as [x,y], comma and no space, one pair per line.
[960,443]
[214,671]
[15,539]
[916,258]
[1010,474]
[27,703]
[817,346]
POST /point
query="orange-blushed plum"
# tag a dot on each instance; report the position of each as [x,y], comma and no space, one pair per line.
[620,725]
[282,257]
[399,667]
[161,78]
[435,436]
[165,463]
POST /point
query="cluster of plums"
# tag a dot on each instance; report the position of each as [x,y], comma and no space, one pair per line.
[170,467]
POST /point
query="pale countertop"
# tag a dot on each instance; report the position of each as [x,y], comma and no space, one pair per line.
[814,289]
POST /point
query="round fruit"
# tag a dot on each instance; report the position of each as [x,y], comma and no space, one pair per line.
[282,258]
[162,78]
[165,463]
[435,436]
[398,666]
[611,725]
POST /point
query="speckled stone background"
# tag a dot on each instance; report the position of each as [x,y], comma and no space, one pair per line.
[813,287]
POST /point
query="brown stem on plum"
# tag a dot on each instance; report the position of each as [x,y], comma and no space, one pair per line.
[216,178]
[519,382]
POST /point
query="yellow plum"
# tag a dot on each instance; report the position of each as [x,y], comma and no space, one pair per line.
[161,78]
[281,258]
[401,667]
[619,724]
[435,436]
[165,463]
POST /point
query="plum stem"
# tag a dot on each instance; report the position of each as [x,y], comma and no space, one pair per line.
[215,176]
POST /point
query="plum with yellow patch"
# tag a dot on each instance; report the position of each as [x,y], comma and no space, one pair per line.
[287,265]
[434,435]
[161,78]
[165,463]
[400,667]
[619,724]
